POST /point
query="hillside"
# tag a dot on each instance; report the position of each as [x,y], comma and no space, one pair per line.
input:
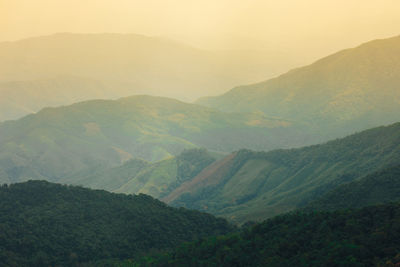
[379,187]
[45,224]
[366,237]
[257,185]
[155,179]
[37,72]
[349,91]
[58,142]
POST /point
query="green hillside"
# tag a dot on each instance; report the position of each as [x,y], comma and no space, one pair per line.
[45,224]
[352,90]
[257,185]
[353,238]
[156,179]
[58,142]
[379,187]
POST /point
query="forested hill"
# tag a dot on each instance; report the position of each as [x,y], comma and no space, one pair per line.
[379,187]
[257,185]
[58,142]
[46,224]
[353,238]
[155,179]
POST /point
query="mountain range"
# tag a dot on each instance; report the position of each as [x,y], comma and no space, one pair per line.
[307,163]
[59,142]
[250,185]
[65,68]
[355,171]
[132,144]
[351,90]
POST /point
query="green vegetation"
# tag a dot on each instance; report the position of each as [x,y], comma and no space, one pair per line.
[379,187]
[57,143]
[366,237]
[352,90]
[258,185]
[46,224]
[155,179]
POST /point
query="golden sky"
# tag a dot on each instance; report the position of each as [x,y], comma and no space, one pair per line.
[306,25]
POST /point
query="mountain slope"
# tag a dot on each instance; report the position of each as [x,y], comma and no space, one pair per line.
[45,224]
[155,179]
[253,186]
[366,237]
[379,187]
[349,91]
[57,142]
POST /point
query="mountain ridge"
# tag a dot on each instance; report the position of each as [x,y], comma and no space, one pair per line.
[260,185]
[127,64]
[78,137]
[351,90]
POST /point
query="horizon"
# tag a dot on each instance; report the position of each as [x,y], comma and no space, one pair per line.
[287,27]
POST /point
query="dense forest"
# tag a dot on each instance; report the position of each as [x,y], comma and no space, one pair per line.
[46,224]
[382,186]
[365,237]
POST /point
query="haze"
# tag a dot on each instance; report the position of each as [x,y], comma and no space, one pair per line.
[312,28]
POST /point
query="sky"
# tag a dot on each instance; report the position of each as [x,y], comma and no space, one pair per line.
[310,27]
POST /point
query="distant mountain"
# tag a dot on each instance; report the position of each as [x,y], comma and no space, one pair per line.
[379,187]
[57,69]
[366,237]
[156,179]
[250,185]
[58,142]
[349,91]
[19,98]
[45,224]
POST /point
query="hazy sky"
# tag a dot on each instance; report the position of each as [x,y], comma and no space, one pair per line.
[310,26]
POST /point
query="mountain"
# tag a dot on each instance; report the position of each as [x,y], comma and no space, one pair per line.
[379,187]
[156,179]
[366,237]
[88,136]
[250,185]
[57,69]
[352,90]
[45,224]
[19,98]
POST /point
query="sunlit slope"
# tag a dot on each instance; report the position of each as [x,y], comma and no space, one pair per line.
[351,90]
[254,186]
[57,142]
[155,179]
